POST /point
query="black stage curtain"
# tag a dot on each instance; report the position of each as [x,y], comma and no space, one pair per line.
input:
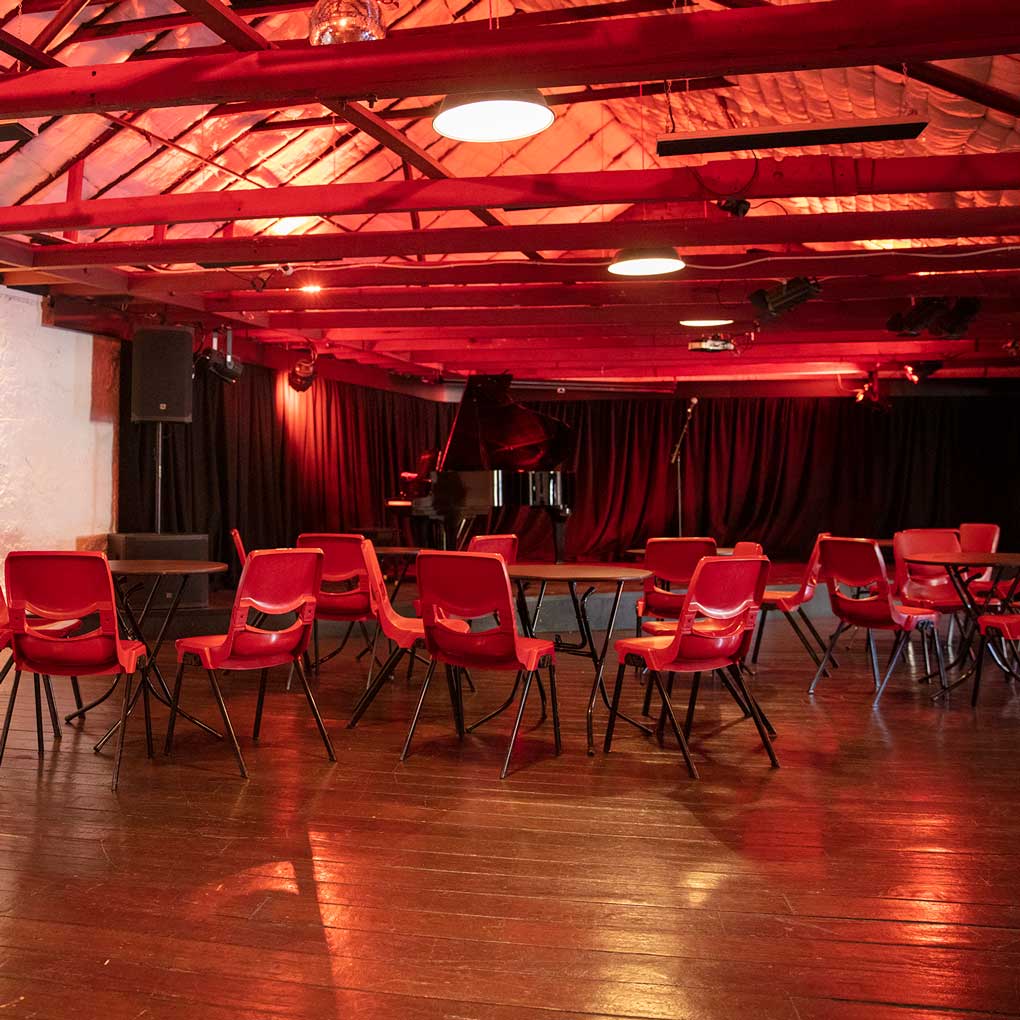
[273,463]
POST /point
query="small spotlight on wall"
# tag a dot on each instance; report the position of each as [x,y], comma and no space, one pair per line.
[302,374]
[776,301]
[734,206]
[910,375]
[311,288]
[871,393]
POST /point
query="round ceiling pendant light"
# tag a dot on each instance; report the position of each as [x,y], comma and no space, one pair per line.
[705,323]
[493,116]
[345,21]
[646,262]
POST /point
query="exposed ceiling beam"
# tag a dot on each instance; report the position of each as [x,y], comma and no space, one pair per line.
[689,235]
[26,52]
[63,16]
[841,33]
[227,24]
[806,176]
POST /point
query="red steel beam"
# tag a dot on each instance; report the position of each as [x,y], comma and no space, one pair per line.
[64,15]
[688,235]
[796,176]
[841,33]
[227,24]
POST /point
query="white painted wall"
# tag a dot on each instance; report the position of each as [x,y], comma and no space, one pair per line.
[57,431]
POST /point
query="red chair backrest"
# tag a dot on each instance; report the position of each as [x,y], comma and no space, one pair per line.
[979,538]
[721,605]
[235,537]
[343,559]
[809,580]
[747,549]
[504,545]
[856,564]
[49,586]
[391,622]
[467,586]
[914,578]
[274,582]
[673,560]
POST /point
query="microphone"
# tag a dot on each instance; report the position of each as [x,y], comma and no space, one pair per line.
[691,405]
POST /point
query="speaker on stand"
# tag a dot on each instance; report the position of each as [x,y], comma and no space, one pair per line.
[161,392]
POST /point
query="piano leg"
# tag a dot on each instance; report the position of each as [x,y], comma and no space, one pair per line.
[559,517]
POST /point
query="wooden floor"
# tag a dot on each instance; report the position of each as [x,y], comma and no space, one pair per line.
[877,874]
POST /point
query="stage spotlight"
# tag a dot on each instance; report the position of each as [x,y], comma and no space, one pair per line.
[734,206]
[954,322]
[910,375]
[871,393]
[224,366]
[772,303]
[302,374]
[918,317]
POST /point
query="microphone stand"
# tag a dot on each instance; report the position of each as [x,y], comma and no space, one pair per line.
[674,458]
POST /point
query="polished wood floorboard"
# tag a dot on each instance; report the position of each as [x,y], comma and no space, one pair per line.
[876,874]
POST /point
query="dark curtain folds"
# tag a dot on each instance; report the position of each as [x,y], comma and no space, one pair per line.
[273,463]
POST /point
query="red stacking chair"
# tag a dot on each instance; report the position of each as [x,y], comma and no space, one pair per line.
[274,582]
[344,564]
[790,602]
[1004,628]
[919,585]
[406,633]
[861,596]
[672,560]
[458,587]
[61,587]
[981,538]
[504,545]
[747,549]
[235,537]
[714,632]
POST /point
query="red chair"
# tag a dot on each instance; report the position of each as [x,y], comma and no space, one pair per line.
[406,633]
[343,565]
[62,587]
[714,632]
[790,602]
[674,561]
[1005,630]
[747,549]
[457,587]
[861,596]
[235,537]
[982,538]
[274,582]
[919,585]
[504,545]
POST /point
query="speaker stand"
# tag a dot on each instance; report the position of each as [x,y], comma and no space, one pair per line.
[158,517]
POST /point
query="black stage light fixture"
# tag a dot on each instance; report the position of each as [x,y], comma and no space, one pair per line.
[713,344]
[302,374]
[782,136]
[954,322]
[734,206]
[918,317]
[772,303]
[224,365]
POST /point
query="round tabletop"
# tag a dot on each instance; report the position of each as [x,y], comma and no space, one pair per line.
[410,551]
[639,554]
[131,568]
[583,573]
[962,559]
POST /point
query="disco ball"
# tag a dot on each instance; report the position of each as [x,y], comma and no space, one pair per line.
[345,21]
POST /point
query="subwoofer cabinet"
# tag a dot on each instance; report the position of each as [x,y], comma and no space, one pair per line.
[151,546]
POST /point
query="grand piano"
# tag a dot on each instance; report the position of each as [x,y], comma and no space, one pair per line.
[498,454]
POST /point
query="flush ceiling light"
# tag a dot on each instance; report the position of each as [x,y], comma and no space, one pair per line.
[706,323]
[493,116]
[646,262]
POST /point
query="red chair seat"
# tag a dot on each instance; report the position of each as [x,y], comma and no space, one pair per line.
[660,628]
[1008,625]
[698,651]
[343,606]
[917,614]
[784,600]
[943,603]
[533,651]
[273,648]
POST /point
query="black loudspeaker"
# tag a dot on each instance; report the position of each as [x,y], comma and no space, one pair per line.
[148,546]
[161,370]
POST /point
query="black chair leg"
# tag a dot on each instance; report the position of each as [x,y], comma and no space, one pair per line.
[900,644]
[615,707]
[873,658]
[763,731]
[827,657]
[76,691]
[227,725]
[692,702]
[806,620]
[417,711]
[124,712]
[555,707]
[147,713]
[677,732]
[792,620]
[263,676]
[315,711]
[940,658]
[10,712]
[38,713]
[978,669]
[762,617]
[517,725]
[54,721]
[375,686]
[453,686]
[175,701]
